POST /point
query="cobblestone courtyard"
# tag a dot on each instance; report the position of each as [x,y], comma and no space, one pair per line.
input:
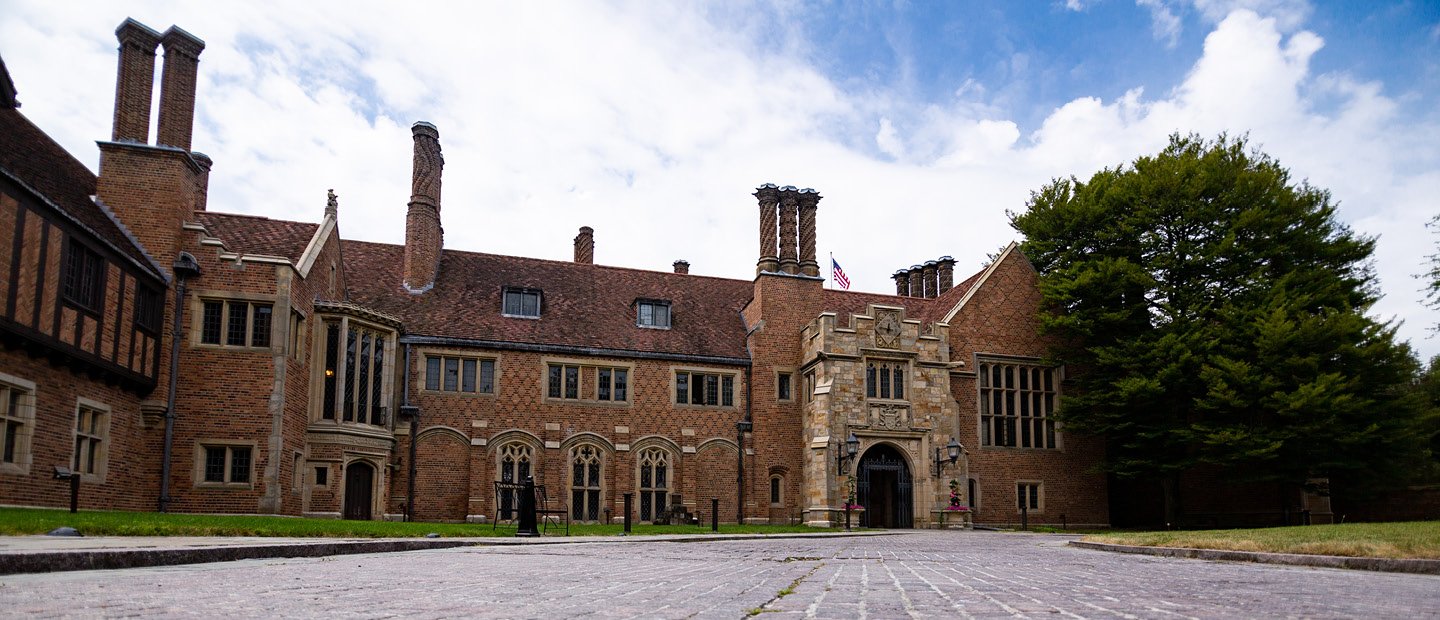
[920,574]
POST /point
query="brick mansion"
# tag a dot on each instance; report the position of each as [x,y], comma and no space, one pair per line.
[178,357]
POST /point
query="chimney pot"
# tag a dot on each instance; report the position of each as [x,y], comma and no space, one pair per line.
[927,277]
[585,246]
[945,274]
[902,282]
[917,285]
[768,197]
[789,229]
[809,201]
[682,266]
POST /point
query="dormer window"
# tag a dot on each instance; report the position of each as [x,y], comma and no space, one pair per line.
[522,303]
[653,313]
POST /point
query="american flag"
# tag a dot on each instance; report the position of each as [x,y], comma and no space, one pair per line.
[838,274]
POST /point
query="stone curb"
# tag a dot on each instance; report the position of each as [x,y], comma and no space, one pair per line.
[103,559]
[1408,565]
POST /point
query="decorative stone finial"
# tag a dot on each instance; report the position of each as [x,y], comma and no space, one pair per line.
[332,203]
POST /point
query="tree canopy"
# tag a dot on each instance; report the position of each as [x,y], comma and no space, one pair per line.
[1212,311]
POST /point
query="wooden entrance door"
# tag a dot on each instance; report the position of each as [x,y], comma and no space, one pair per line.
[359,490]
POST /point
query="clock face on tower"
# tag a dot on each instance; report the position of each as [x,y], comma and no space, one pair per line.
[887,331]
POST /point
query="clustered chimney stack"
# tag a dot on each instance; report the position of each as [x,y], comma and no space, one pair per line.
[177,88]
[585,246]
[154,191]
[134,82]
[682,266]
[927,281]
[424,237]
[793,210]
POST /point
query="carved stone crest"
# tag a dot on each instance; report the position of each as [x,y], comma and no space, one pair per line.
[890,417]
[887,330]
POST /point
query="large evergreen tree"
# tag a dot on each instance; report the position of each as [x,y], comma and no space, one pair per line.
[1213,312]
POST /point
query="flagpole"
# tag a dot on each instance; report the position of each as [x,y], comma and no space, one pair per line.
[831,281]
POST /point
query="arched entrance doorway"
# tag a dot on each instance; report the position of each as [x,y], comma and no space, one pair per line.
[884,489]
[359,490]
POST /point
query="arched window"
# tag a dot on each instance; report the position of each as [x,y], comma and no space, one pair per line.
[584,483]
[777,487]
[514,465]
[654,483]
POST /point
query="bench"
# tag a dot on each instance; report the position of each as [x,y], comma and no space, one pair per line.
[507,506]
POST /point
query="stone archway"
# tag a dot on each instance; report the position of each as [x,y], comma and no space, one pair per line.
[885,489]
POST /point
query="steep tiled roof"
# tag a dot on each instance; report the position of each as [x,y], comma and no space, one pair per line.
[250,234]
[31,158]
[845,303]
[589,306]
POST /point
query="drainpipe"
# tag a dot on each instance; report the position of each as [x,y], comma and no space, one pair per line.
[413,413]
[185,268]
[743,426]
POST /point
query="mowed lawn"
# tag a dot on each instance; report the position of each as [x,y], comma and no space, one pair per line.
[23,521]
[1412,539]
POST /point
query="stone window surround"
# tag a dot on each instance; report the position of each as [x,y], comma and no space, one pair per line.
[196,312]
[735,388]
[884,362]
[656,455]
[422,371]
[24,456]
[594,367]
[777,490]
[199,471]
[788,371]
[317,353]
[1039,495]
[102,461]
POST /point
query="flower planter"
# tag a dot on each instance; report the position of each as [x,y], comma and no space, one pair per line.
[954,519]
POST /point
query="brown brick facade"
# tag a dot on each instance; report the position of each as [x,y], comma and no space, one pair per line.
[304,359]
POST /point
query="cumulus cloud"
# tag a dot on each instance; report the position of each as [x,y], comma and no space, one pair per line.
[1164,23]
[652,123]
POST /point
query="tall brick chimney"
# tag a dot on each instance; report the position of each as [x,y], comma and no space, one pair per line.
[809,200]
[917,281]
[769,199]
[902,282]
[927,275]
[155,189]
[789,216]
[682,266]
[585,246]
[134,81]
[424,237]
[945,275]
[177,88]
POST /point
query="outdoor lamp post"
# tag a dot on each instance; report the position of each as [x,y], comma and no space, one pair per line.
[852,445]
[952,450]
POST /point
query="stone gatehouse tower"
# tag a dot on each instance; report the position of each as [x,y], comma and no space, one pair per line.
[323,376]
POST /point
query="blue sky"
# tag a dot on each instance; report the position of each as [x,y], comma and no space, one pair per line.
[921,123]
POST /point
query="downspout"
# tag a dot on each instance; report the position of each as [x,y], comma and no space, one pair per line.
[414,414]
[185,268]
[748,424]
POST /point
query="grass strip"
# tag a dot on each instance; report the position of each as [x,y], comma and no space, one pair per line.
[23,521]
[1411,539]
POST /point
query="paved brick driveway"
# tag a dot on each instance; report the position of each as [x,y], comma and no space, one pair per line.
[921,574]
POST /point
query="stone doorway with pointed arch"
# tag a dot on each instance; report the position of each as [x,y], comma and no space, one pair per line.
[884,488]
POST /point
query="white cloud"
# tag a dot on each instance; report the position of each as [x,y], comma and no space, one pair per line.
[1289,15]
[652,123]
[1164,24]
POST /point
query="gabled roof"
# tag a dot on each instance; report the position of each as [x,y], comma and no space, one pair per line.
[32,159]
[583,305]
[251,234]
[7,89]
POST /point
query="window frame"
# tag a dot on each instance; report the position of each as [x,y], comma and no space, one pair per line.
[443,357]
[149,315]
[1036,493]
[887,379]
[83,283]
[231,449]
[505,294]
[652,304]
[333,392]
[94,444]
[17,415]
[1029,420]
[588,375]
[785,385]
[702,380]
[227,304]
[777,490]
